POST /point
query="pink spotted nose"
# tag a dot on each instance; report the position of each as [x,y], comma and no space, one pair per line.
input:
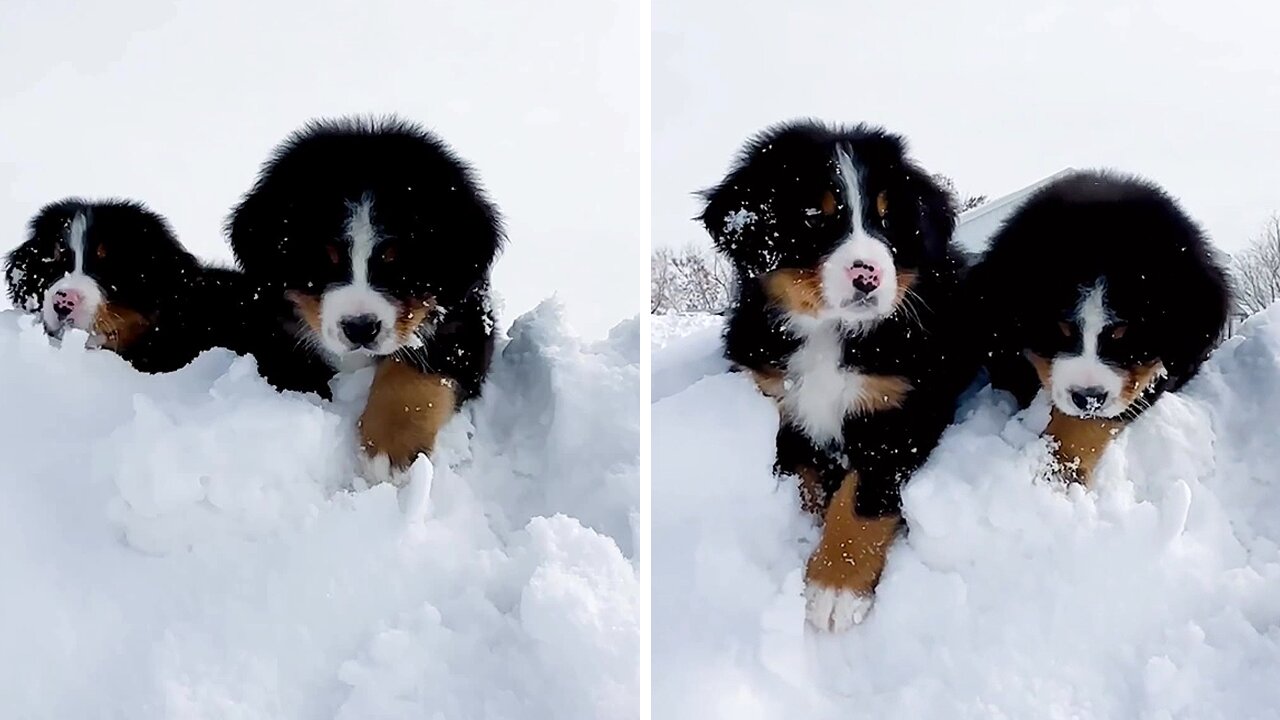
[864,276]
[66,301]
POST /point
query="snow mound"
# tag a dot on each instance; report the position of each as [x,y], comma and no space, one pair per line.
[196,544]
[1155,596]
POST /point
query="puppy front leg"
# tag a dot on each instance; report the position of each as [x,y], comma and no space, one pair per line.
[405,411]
[842,572]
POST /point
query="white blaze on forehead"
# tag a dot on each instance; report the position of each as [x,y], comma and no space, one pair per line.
[1087,369]
[90,293]
[852,189]
[357,297]
[859,245]
[75,239]
[363,236]
[1092,317]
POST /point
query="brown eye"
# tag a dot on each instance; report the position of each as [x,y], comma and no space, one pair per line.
[57,253]
[335,256]
[828,203]
[1065,327]
[1118,331]
[388,253]
[882,203]
[101,252]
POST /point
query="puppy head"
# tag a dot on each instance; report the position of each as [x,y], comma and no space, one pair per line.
[1111,287]
[372,229]
[837,220]
[1089,363]
[102,267]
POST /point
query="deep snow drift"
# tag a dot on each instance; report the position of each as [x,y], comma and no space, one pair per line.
[191,545]
[1156,596]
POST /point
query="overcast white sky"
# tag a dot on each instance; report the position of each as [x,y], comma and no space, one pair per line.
[177,105]
[995,94]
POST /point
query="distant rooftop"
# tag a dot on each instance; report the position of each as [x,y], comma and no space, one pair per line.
[976,226]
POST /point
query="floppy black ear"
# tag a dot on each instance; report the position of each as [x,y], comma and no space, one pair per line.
[936,207]
[1197,313]
[482,237]
[735,213]
[21,284]
[254,238]
[490,232]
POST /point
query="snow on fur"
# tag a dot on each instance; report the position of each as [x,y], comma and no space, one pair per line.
[1156,596]
[195,544]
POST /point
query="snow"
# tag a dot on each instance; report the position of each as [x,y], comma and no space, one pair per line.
[195,544]
[1155,596]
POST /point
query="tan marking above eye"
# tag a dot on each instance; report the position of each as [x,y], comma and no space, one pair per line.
[335,256]
[882,203]
[828,203]
[1066,328]
[1118,331]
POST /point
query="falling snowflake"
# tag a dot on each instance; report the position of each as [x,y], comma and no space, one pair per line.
[738,219]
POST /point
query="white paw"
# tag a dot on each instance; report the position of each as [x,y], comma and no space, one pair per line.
[834,609]
[378,469]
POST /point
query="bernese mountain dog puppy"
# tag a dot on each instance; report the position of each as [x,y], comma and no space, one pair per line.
[845,279]
[1102,292]
[371,243]
[114,269]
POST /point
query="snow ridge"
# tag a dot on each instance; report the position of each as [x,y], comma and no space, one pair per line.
[196,545]
[1157,596]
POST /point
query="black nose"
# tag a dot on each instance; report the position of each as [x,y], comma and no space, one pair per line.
[1089,398]
[62,310]
[361,330]
[865,286]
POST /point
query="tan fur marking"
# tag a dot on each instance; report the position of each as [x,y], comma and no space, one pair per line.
[770,381]
[405,411]
[118,326]
[1140,378]
[412,314]
[906,281]
[308,307]
[828,203]
[880,393]
[852,552]
[1079,443]
[797,291]
[812,497]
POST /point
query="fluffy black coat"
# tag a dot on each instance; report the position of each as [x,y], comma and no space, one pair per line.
[428,206]
[134,258]
[764,217]
[1162,282]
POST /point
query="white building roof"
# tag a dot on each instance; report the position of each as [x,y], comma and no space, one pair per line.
[976,226]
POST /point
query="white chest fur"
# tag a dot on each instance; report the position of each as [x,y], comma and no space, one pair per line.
[818,392]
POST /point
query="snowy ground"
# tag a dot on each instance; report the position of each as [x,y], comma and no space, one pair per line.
[1155,597]
[191,545]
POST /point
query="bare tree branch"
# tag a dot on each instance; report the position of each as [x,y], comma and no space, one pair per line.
[962,202]
[1255,271]
[688,280]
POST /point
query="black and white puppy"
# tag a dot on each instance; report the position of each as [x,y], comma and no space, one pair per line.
[114,269]
[1101,291]
[372,243]
[846,277]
